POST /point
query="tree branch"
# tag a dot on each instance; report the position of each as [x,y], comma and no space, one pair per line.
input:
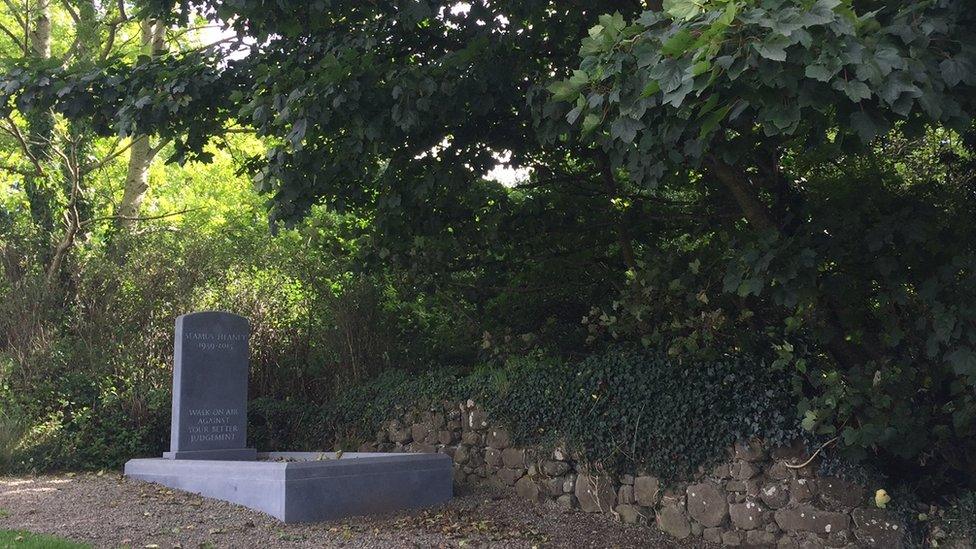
[738,184]
[15,131]
[139,218]
[20,44]
[111,156]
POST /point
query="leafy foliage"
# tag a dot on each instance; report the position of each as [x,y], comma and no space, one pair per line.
[790,108]
[633,410]
[709,83]
[622,410]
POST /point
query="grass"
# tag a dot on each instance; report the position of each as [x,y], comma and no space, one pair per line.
[29,540]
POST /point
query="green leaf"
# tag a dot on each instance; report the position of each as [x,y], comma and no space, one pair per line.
[668,74]
[651,88]
[682,9]
[809,420]
[855,89]
[590,122]
[625,128]
[864,125]
[678,43]
[563,90]
[773,47]
[700,67]
[822,73]
[953,70]
[713,121]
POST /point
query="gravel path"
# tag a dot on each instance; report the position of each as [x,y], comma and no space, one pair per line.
[109,511]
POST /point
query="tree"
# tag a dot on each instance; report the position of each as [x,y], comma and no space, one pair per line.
[780,106]
[56,162]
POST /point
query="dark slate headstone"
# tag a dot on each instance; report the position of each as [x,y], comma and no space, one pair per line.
[210,388]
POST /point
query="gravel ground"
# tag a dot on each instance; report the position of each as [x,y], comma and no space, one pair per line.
[109,511]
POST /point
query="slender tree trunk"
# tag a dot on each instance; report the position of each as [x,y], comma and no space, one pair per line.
[136,182]
[40,35]
[141,153]
[40,126]
[623,231]
[755,212]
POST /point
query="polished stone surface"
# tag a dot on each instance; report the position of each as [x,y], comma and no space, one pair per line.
[210,368]
[310,486]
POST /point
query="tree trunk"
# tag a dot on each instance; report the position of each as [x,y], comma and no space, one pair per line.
[755,212]
[623,231]
[40,35]
[136,182]
[141,153]
[40,127]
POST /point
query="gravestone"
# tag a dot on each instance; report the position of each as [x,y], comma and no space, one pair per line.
[208,454]
[210,367]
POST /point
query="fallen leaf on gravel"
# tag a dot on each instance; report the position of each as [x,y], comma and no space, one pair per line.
[216,531]
[175,530]
[151,546]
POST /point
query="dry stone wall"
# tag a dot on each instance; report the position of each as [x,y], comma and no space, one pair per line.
[758,498]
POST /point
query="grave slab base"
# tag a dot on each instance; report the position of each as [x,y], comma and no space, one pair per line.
[309,486]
